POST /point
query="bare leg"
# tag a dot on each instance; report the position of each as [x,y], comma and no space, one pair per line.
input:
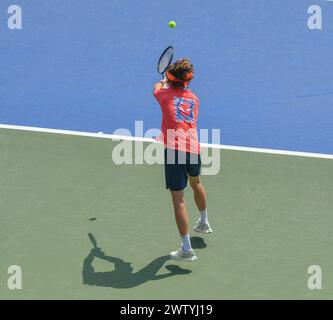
[186,252]
[199,193]
[180,212]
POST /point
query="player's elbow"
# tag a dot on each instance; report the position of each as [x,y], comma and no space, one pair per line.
[155,91]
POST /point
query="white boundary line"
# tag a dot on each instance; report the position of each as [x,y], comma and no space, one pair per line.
[206,145]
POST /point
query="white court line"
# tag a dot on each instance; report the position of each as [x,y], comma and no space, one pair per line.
[131,138]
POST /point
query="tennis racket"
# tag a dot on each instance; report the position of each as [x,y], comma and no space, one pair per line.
[165,60]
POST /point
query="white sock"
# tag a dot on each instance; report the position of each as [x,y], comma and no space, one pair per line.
[186,242]
[204,216]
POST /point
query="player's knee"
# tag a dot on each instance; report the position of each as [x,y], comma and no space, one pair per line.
[195,183]
[178,197]
[179,205]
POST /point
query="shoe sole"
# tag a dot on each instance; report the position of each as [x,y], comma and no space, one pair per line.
[184,259]
[204,232]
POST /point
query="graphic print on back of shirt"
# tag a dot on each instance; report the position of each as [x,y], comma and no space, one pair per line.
[184,109]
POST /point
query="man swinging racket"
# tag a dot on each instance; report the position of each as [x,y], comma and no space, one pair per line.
[182,150]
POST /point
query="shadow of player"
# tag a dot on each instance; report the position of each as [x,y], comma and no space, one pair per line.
[122,275]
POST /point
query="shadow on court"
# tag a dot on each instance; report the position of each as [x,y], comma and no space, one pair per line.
[122,275]
[198,243]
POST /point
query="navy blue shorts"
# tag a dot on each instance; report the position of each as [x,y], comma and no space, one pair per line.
[178,166]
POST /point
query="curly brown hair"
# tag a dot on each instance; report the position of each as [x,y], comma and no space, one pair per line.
[181,69]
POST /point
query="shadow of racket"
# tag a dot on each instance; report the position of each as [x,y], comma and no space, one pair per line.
[93,240]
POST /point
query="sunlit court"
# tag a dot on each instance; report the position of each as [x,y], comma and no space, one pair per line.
[91,209]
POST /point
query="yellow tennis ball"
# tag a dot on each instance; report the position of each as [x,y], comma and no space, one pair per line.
[172,24]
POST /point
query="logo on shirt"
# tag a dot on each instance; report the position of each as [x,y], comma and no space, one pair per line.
[184,109]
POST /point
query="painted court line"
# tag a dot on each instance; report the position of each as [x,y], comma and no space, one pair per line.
[141,139]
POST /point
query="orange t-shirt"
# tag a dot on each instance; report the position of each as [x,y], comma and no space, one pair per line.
[179,119]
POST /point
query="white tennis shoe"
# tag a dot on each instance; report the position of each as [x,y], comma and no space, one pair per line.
[202,227]
[181,255]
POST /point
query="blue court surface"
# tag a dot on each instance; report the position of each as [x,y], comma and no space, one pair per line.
[263,77]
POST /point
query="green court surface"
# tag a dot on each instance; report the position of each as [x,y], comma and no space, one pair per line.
[272,217]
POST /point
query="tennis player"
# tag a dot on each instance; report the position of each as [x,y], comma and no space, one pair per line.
[180,108]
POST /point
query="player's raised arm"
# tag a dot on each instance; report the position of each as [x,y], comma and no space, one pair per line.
[159,85]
